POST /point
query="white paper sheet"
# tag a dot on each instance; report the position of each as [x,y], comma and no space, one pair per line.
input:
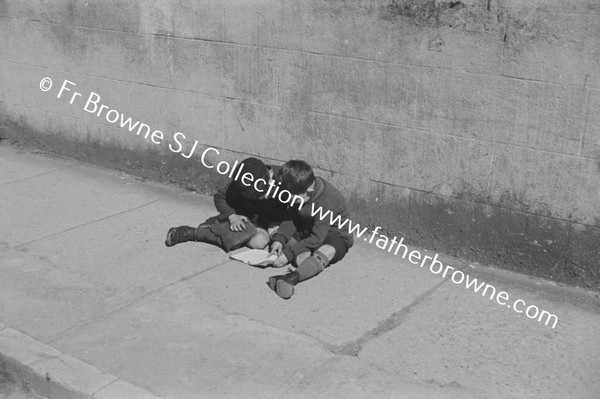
[254,257]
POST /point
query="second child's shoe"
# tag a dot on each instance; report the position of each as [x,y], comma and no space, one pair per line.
[283,285]
[180,234]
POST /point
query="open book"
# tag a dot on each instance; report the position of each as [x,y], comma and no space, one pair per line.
[254,257]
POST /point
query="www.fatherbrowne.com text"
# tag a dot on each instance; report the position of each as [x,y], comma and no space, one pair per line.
[93,105]
[458,277]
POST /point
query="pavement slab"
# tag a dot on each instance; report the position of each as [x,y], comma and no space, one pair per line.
[50,203]
[467,340]
[350,377]
[127,254]
[20,165]
[175,345]
[42,301]
[346,301]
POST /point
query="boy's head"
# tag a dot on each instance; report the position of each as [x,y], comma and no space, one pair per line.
[259,171]
[297,177]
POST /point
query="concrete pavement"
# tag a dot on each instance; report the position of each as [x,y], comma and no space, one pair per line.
[93,304]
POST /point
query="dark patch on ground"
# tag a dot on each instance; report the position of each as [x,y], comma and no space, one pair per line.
[583,260]
[353,348]
[7,381]
[160,166]
[526,243]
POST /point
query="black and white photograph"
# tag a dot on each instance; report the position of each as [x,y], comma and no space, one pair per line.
[379,199]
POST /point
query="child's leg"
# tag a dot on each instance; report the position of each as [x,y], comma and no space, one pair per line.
[308,266]
[213,232]
[263,236]
[334,248]
[202,233]
[273,227]
[177,235]
[260,240]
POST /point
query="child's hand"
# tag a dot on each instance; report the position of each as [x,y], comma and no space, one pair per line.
[237,222]
[281,261]
[276,248]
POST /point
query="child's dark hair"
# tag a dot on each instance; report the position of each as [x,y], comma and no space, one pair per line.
[296,176]
[258,170]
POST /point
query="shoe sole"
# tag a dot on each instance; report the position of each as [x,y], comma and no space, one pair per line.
[281,288]
[284,289]
[168,241]
[272,283]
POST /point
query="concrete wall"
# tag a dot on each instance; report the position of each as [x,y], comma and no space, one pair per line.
[471,127]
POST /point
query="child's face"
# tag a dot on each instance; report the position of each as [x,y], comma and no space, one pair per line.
[308,194]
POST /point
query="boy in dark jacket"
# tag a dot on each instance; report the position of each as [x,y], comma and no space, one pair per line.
[309,242]
[245,214]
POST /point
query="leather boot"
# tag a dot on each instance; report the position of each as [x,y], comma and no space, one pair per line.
[180,234]
[204,233]
[283,285]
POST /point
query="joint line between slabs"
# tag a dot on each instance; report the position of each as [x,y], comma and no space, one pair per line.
[93,221]
[353,348]
[131,302]
[30,177]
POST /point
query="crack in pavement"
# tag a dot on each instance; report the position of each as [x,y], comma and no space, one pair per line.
[93,221]
[130,303]
[325,345]
[31,177]
[354,347]
[351,348]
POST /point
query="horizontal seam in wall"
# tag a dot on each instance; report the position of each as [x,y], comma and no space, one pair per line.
[550,11]
[390,63]
[486,141]
[43,110]
[216,97]
[386,183]
[583,87]
[86,120]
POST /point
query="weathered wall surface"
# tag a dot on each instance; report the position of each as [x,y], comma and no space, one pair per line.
[471,127]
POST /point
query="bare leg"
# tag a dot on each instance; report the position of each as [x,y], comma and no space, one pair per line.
[328,251]
[272,230]
[301,258]
[260,240]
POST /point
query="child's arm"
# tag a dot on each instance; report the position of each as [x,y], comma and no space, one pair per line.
[313,241]
[221,204]
[223,201]
[286,230]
